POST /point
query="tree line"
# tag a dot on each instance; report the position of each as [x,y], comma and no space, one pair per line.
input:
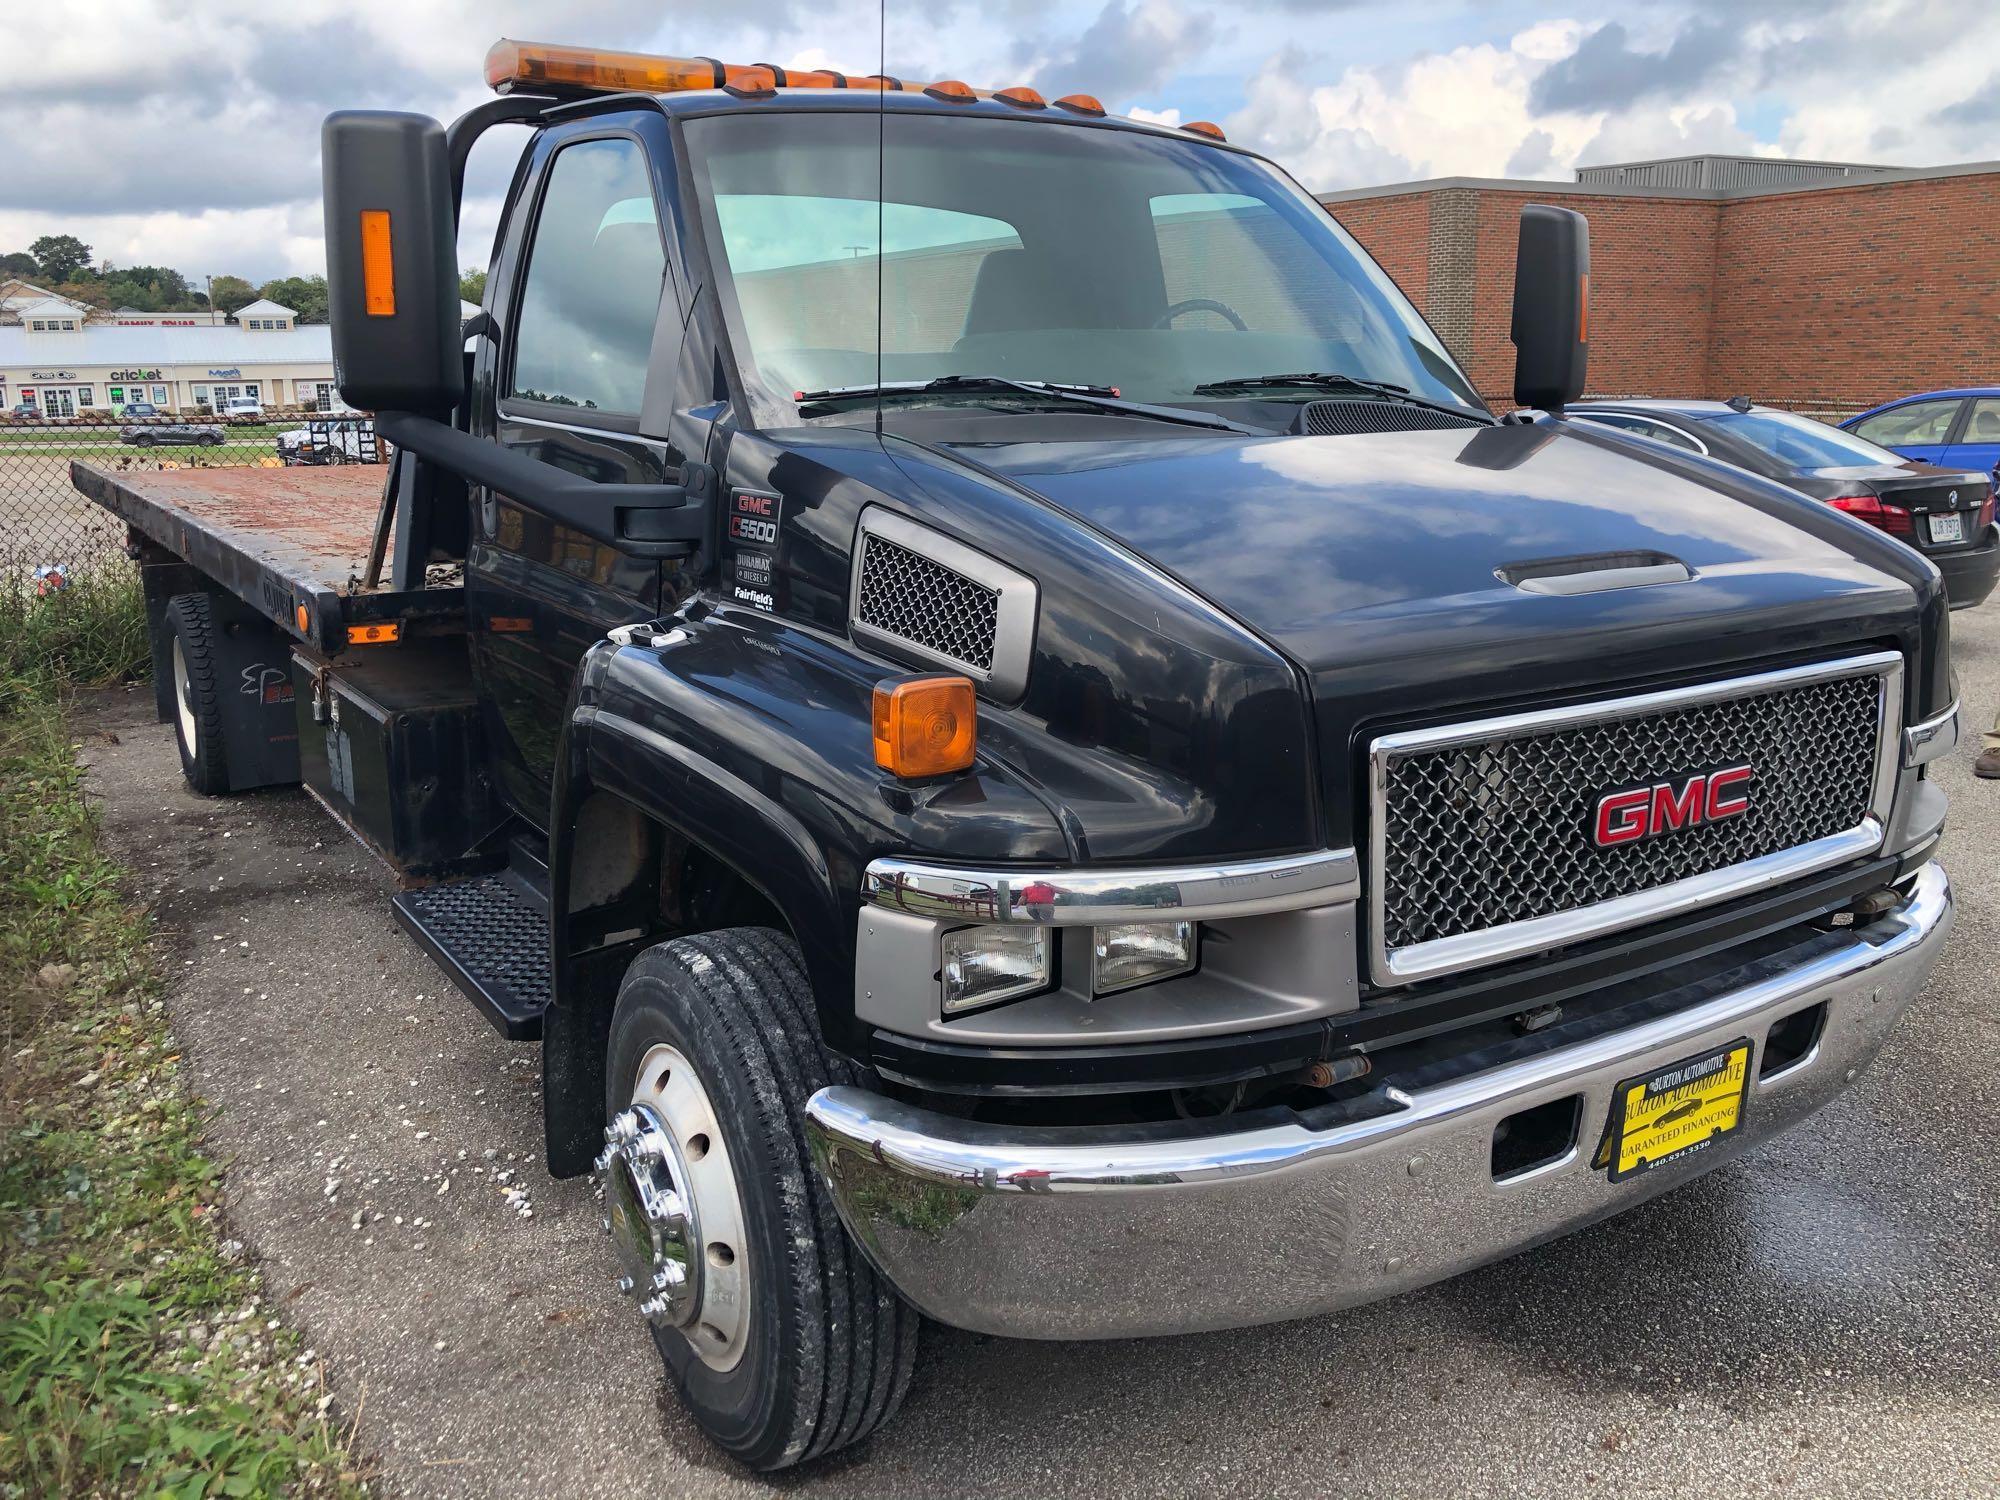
[63,264]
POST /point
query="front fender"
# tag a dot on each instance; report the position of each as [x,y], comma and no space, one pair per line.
[751,739]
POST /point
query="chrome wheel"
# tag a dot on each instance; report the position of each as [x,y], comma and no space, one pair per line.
[184,698]
[674,1212]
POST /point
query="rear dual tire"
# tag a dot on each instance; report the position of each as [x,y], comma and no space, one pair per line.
[198,699]
[827,1346]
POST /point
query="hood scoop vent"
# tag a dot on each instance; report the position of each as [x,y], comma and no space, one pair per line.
[1346,416]
[1595,574]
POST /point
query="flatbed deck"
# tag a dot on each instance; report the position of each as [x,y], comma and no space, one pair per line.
[281,540]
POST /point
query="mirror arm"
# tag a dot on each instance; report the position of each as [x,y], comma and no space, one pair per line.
[469,127]
[641,520]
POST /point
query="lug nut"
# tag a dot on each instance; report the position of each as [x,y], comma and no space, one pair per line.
[626,1285]
[669,1275]
[653,1307]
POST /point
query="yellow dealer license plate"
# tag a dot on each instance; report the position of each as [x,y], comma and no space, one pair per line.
[1676,1112]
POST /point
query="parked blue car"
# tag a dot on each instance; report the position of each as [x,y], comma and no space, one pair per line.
[1956,429]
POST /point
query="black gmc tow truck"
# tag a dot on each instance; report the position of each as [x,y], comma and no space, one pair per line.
[1029,750]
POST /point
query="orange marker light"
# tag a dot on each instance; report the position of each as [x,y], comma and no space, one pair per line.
[1206,127]
[373,635]
[1022,98]
[1583,308]
[751,83]
[925,726]
[1082,104]
[378,264]
[303,619]
[951,91]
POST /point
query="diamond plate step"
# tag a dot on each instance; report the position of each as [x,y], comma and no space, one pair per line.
[490,935]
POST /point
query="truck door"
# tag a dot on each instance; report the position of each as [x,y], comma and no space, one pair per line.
[580,279]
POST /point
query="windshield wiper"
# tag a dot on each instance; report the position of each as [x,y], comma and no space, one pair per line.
[1324,380]
[1103,396]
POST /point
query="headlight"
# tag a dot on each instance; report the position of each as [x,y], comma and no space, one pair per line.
[985,965]
[1132,953]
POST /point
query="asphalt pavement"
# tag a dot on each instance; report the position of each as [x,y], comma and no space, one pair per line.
[1820,1319]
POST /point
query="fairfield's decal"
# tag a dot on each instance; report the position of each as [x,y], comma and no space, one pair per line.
[1643,812]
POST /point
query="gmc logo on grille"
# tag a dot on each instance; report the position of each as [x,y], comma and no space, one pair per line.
[1644,812]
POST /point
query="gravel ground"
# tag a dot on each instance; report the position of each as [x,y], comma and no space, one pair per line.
[1820,1319]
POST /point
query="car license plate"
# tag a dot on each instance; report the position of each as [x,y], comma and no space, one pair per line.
[1676,1112]
[1948,528]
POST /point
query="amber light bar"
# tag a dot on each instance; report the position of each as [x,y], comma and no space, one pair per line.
[534,66]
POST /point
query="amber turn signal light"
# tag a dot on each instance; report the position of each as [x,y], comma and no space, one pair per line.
[374,635]
[925,726]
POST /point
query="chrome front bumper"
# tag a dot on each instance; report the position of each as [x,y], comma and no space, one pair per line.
[1075,1233]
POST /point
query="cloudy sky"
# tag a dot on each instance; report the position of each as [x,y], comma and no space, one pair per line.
[188,136]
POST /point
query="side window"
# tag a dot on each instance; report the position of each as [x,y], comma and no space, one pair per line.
[595,270]
[1666,435]
[1918,422]
[1984,427]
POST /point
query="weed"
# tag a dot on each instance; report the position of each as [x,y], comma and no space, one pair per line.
[89,633]
[136,1357]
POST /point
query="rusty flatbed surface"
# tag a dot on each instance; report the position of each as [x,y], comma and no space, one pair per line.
[279,539]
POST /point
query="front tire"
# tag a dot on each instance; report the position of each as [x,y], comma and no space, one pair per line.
[812,1350]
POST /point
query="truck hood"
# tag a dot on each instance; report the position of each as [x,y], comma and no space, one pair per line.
[1376,562]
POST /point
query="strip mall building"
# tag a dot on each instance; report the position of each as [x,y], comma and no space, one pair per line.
[1824,287]
[61,364]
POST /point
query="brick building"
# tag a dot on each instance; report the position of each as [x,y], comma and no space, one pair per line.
[1824,287]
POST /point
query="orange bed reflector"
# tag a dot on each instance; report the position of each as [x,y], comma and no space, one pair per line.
[374,635]
[1022,98]
[925,726]
[302,617]
[951,91]
[1082,104]
[378,264]
[1206,127]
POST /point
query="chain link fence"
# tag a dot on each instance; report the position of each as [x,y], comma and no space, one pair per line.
[46,524]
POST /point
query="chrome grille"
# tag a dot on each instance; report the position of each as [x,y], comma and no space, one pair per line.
[1487,829]
[904,594]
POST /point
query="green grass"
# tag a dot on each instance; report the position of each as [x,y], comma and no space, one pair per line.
[89,634]
[135,1356]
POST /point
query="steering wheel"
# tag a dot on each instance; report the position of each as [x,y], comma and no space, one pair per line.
[1202,304]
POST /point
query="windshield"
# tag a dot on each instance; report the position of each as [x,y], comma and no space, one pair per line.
[1099,257]
[1799,441]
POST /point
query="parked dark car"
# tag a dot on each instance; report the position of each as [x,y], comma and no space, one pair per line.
[185,434]
[135,409]
[24,411]
[1945,513]
[1959,429]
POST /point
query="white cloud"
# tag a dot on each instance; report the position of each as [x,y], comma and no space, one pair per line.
[189,136]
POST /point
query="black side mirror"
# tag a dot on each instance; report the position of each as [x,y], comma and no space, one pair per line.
[391,262]
[1551,304]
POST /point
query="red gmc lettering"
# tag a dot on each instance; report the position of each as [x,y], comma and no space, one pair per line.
[1621,817]
[756,505]
[1720,805]
[1636,813]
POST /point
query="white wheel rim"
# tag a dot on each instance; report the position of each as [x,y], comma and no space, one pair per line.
[184,699]
[668,1085]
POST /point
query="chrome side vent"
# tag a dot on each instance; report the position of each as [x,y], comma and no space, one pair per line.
[919,596]
[1342,418]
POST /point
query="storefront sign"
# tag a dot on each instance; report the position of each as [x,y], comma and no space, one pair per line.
[52,374]
[138,374]
[229,374]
